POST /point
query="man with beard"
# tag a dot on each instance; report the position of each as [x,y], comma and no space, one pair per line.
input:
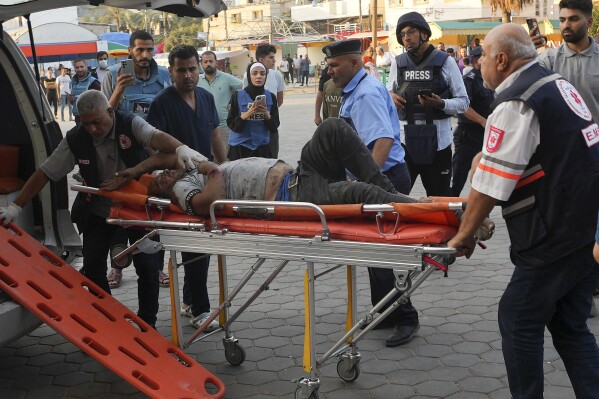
[190,114]
[577,59]
[222,86]
[135,93]
[427,89]
[82,82]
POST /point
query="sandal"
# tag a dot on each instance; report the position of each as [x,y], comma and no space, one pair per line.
[114,278]
[163,279]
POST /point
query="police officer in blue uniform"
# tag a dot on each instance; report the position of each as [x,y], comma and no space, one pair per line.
[427,89]
[468,137]
[369,109]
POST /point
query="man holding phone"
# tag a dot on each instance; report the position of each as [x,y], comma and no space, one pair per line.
[427,88]
[134,89]
[577,58]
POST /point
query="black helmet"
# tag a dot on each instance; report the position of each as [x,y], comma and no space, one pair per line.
[413,19]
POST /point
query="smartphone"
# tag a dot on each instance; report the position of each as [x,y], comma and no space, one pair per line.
[532,24]
[127,67]
[261,98]
[425,92]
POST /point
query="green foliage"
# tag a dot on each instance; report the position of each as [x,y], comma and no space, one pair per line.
[184,34]
[594,30]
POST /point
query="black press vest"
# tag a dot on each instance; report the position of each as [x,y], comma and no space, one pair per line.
[552,212]
[412,77]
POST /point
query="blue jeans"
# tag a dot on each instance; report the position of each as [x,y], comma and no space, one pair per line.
[64,101]
[558,296]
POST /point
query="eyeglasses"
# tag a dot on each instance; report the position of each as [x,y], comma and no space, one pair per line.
[409,32]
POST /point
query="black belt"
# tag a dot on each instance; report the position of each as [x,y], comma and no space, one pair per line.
[391,170]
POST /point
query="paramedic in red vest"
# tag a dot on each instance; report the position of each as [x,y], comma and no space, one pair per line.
[541,160]
[81,82]
[427,89]
[106,141]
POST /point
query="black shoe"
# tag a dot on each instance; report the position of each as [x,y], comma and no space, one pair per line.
[387,323]
[401,335]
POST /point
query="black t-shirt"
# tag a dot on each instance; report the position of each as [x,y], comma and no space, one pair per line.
[50,92]
[324,77]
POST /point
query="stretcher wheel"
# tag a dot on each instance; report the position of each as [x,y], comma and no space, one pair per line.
[298,394]
[346,374]
[236,356]
[123,263]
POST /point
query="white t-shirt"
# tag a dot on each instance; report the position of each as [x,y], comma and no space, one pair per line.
[284,67]
[64,84]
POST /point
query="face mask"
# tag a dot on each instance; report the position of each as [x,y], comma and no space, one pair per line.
[103,63]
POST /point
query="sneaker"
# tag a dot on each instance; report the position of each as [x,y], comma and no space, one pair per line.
[197,321]
[186,310]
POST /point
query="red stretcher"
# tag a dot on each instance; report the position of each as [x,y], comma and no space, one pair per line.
[97,323]
[407,238]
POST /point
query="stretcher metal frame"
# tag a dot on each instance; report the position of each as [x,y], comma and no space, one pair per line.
[411,264]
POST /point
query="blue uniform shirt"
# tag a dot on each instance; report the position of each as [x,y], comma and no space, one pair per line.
[368,107]
[171,114]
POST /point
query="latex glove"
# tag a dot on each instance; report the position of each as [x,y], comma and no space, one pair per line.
[10,213]
[187,158]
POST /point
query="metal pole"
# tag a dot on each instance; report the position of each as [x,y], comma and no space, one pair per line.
[373,20]
[360,11]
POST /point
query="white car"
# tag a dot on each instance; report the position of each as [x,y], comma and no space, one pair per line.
[27,126]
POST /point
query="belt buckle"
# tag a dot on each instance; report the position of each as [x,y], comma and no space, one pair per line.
[294,179]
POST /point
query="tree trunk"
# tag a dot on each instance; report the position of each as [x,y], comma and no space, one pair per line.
[506,16]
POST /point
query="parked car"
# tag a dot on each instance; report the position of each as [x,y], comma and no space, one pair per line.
[29,134]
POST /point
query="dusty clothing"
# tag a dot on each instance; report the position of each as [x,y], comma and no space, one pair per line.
[245,179]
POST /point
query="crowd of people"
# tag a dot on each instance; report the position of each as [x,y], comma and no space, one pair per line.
[526,133]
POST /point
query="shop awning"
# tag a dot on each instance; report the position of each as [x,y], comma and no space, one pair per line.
[367,35]
[454,32]
[54,42]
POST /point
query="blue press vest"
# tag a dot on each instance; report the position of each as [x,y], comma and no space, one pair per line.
[422,76]
[552,212]
[137,98]
[78,87]
[254,133]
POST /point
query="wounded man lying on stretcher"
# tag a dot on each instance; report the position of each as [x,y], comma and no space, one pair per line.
[320,177]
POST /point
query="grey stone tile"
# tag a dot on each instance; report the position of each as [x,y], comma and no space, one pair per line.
[480,384]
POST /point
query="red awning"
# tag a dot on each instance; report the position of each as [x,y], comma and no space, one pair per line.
[60,49]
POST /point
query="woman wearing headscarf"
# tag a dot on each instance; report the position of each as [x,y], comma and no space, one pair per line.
[250,120]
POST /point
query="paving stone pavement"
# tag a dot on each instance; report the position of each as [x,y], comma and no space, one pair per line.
[456,353]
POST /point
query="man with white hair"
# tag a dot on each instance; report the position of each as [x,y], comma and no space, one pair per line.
[541,159]
[106,141]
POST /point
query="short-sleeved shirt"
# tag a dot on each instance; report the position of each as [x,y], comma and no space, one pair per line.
[275,82]
[171,114]
[331,100]
[324,77]
[245,179]
[369,106]
[50,85]
[64,84]
[580,69]
[458,104]
[222,88]
[62,161]
[498,172]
